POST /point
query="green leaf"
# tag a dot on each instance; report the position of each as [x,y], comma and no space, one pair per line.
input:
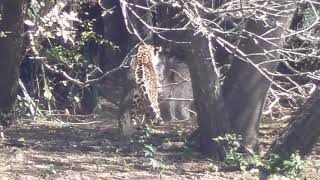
[149,150]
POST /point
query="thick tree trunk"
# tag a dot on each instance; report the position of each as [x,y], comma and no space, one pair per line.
[11,50]
[113,29]
[208,99]
[304,131]
[245,88]
[207,95]
[126,127]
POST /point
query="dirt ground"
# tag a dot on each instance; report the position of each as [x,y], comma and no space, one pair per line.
[87,147]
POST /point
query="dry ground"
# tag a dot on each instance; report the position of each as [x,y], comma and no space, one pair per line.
[88,148]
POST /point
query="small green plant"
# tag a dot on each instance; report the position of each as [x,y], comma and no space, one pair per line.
[149,150]
[157,164]
[292,166]
[231,143]
[26,107]
[146,133]
[22,105]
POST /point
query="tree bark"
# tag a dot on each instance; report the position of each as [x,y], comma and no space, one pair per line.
[245,88]
[304,131]
[11,50]
[113,29]
[208,100]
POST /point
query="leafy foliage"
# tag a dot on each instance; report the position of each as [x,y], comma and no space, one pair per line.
[149,150]
[62,40]
[292,166]
[22,106]
[276,164]
[232,145]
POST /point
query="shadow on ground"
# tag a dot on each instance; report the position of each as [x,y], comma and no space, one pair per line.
[89,148]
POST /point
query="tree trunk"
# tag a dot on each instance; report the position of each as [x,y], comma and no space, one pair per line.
[304,131]
[208,99]
[245,88]
[126,127]
[113,29]
[11,50]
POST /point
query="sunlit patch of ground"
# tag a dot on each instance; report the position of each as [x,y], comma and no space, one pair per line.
[88,148]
